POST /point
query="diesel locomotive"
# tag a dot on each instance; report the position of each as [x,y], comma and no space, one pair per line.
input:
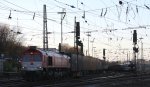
[37,63]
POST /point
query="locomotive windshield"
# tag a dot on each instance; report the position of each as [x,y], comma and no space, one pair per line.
[33,57]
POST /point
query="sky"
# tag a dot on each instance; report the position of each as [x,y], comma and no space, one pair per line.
[111,23]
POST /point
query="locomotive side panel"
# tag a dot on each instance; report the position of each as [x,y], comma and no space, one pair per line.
[44,61]
[66,61]
[56,60]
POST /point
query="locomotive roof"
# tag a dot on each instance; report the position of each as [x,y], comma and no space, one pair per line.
[52,53]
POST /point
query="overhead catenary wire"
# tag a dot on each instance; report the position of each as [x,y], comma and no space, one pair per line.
[69,23]
[48,19]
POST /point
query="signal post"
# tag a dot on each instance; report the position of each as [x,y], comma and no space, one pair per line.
[135,49]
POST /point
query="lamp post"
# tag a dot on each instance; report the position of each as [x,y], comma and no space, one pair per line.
[93,52]
[141,48]
[142,60]
[92,45]
[62,18]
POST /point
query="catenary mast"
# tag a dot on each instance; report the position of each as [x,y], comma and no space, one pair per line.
[45,34]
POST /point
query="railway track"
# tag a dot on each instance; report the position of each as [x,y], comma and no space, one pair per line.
[95,81]
[81,81]
[17,81]
[123,81]
[108,81]
[10,79]
[11,82]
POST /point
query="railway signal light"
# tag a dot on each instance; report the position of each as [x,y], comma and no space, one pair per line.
[59,47]
[135,49]
[135,37]
[104,54]
[78,30]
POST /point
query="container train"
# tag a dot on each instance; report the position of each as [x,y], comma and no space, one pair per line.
[38,64]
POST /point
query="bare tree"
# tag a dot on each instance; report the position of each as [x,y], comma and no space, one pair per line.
[10,44]
[68,49]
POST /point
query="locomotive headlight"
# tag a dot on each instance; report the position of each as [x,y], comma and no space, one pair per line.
[23,67]
[39,67]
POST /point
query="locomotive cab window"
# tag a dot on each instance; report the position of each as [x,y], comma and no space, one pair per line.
[50,60]
[34,57]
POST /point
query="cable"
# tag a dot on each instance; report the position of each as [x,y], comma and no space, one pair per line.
[17,5]
[67,25]
[48,18]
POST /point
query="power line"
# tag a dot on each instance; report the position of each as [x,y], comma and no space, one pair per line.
[48,18]
[67,25]
[16,5]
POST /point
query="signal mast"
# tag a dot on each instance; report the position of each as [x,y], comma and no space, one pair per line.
[135,49]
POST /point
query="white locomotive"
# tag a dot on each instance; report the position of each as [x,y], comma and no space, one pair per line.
[42,63]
